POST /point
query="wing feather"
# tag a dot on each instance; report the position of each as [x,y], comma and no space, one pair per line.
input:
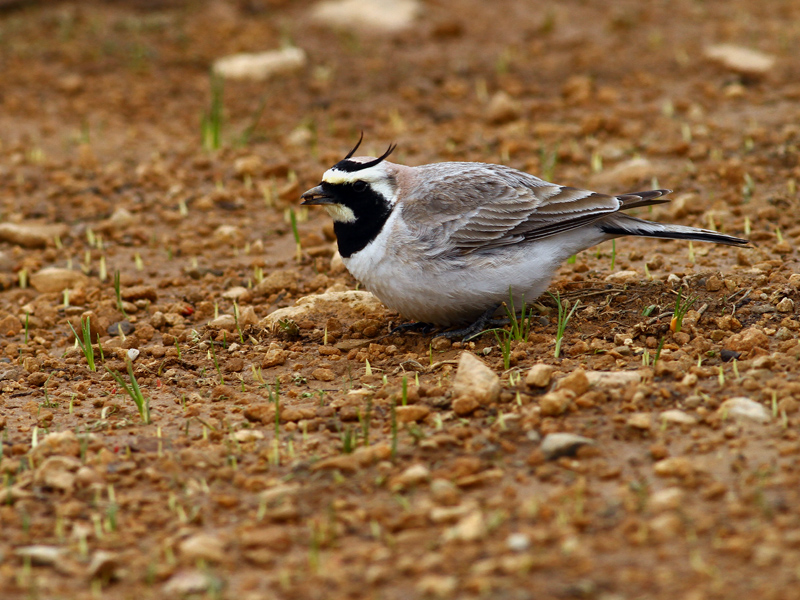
[473,206]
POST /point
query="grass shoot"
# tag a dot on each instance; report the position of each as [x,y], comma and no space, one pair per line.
[134,391]
[681,308]
[563,319]
[84,341]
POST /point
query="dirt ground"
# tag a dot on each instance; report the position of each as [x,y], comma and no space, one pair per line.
[322,457]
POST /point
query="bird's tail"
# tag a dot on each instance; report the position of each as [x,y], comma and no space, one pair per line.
[618,224]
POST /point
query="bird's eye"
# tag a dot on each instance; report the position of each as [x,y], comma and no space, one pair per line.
[360,186]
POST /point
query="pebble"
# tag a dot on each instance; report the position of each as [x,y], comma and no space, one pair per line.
[344,303]
[539,375]
[667,499]
[445,492]
[367,16]
[440,586]
[275,356]
[624,277]
[471,528]
[641,421]
[786,305]
[103,566]
[473,378]
[744,408]
[259,66]
[322,374]
[556,403]
[203,546]
[518,542]
[132,354]
[625,173]
[678,416]
[740,59]
[40,555]
[235,293]
[248,435]
[675,466]
[55,280]
[466,405]
[120,328]
[10,326]
[556,445]
[58,472]
[613,378]
[139,292]
[185,583]
[576,382]
[747,339]
[31,235]
[502,109]
[413,475]
[412,413]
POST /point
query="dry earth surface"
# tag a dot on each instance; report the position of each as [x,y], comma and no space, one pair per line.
[322,456]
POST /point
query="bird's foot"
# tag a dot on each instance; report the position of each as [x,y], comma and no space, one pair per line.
[475,329]
[424,328]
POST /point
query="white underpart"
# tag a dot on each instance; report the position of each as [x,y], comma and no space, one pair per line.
[457,291]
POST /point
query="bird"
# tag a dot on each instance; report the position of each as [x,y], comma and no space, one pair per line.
[448,243]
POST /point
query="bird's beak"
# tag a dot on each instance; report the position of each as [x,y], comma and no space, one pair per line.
[316,196]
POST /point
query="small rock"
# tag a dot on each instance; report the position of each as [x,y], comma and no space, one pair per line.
[274,538]
[120,328]
[132,354]
[675,466]
[471,528]
[55,280]
[623,277]
[613,378]
[744,408]
[518,542]
[466,405]
[32,235]
[413,475]
[259,66]
[639,421]
[729,355]
[626,173]
[103,566]
[40,555]
[276,282]
[439,586]
[576,382]
[139,292]
[185,583]
[345,304]
[502,109]
[786,305]
[740,59]
[412,413]
[445,492]
[473,378]
[58,472]
[667,499]
[665,526]
[556,403]
[368,16]
[556,445]
[747,339]
[275,356]
[794,280]
[10,326]
[677,416]
[235,293]
[248,435]
[539,375]
[322,374]
[203,546]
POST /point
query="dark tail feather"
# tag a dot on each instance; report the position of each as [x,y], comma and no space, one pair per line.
[648,198]
[619,224]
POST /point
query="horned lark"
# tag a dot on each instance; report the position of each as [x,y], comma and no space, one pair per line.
[444,243]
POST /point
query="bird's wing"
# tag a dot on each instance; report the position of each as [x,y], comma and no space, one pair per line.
[470,207]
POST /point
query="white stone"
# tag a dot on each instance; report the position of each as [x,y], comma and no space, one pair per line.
[744,408]
[518,542]
[475,379]
[740,59]
[539,375]
[624,277]
[367,16]
[603,379]
[471,528]
[31,235]
[678,416]
[260,65]
[555,445]
[358,302]
[248,435]
[55,280]
[413,475]
[40,555]
[132,354]
[235,293]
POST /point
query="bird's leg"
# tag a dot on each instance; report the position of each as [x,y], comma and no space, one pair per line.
[475,329]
